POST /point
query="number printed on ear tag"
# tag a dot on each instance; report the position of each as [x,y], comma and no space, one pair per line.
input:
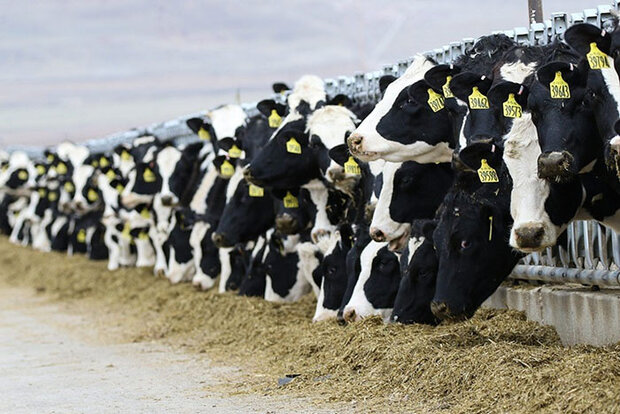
[435,100]
[204,134]
[256,191]
[274,119]
[290,201]
[446,88]
[511,107]
[148,175]
[486,173]
[226,169]
[559,88]
[234,152]
[477,100]
[352,167]
[597,58]
[293,146]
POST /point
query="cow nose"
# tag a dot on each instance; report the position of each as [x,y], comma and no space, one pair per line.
[354,142]
[350,315]
[167,200]
[336,174]
[530,236]
[377,235]
[556,166]
[286,224]
[79,205]
[319,234]
[440,310]
[219,240]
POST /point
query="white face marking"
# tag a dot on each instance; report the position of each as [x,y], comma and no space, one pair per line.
[80,178]
[167,160]
[331,123]
[226,268]
[233,183]
[319,195]
[199,200]
[381,219]
[308,262]
[308,88]
[612,81]
[226,119]
[321,313]
[380,147]
[358,302]
[517,71]
[527,200]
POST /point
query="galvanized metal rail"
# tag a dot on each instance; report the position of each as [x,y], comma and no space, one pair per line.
[592,256]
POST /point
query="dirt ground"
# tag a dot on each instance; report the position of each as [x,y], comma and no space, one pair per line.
[54,358]
[498,362]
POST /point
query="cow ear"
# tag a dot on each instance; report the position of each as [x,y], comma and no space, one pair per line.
[463,84]
[280,87]
[299,136]
[340,154]
[437,76]
[428,227]
[500,92]
[340,100]
[226,143]
[265,106]
[217,161]
[384,81]
[472,156]
[573,75]
[194,124]
[580,36]
[419,92]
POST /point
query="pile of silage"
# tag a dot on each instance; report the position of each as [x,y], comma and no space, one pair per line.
[497,362]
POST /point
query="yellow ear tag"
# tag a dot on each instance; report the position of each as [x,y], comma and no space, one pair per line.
[42,192]
[477,100]
[81,236]
[597,58]
[92,195]
[559,88]
[227,169]
[293,146]
[274,119]
[120,188]
[69,187]
[125,155]
[40,169]
[446,88]
[22,175]
[50,158]
[110,174]
[94,163]
[125,233]
[103,161]
[204,134]
[143,235]
[52,196]
[290,201]
[145,213]
[486,173]
[511,107]
[435,100]
[490,227]
[256,191]
[61,168]
[148,175]
[352,167]
[234,152]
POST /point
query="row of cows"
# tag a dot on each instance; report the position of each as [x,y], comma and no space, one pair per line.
[414,209]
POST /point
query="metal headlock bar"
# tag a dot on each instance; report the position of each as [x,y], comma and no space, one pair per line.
[592,255]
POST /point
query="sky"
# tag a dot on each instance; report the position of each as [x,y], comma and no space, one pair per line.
[76,70]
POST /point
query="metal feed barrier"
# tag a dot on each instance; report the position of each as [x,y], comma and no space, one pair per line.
[592,254]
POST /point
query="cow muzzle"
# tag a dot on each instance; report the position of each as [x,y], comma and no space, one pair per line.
[168,200]
[377,235]
[247,175]
[287,224]
[220,241]
[355,142]
[529,236]
[556,166]
[442,311]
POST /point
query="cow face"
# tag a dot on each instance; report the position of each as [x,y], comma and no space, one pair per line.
[295,211]
[249,212]
[419,264]
[377,284]
[288,160]
[566,127]
[409,191]
[601,50]
[284,282]
[143,183]
[333,272]
[86,196]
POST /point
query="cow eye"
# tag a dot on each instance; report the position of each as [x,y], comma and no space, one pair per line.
[465,244]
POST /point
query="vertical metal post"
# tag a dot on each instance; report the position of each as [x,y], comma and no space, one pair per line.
[534,11]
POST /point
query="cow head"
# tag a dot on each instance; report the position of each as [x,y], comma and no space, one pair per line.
[419,265]
[295,211]
[86,196]
[409,123]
